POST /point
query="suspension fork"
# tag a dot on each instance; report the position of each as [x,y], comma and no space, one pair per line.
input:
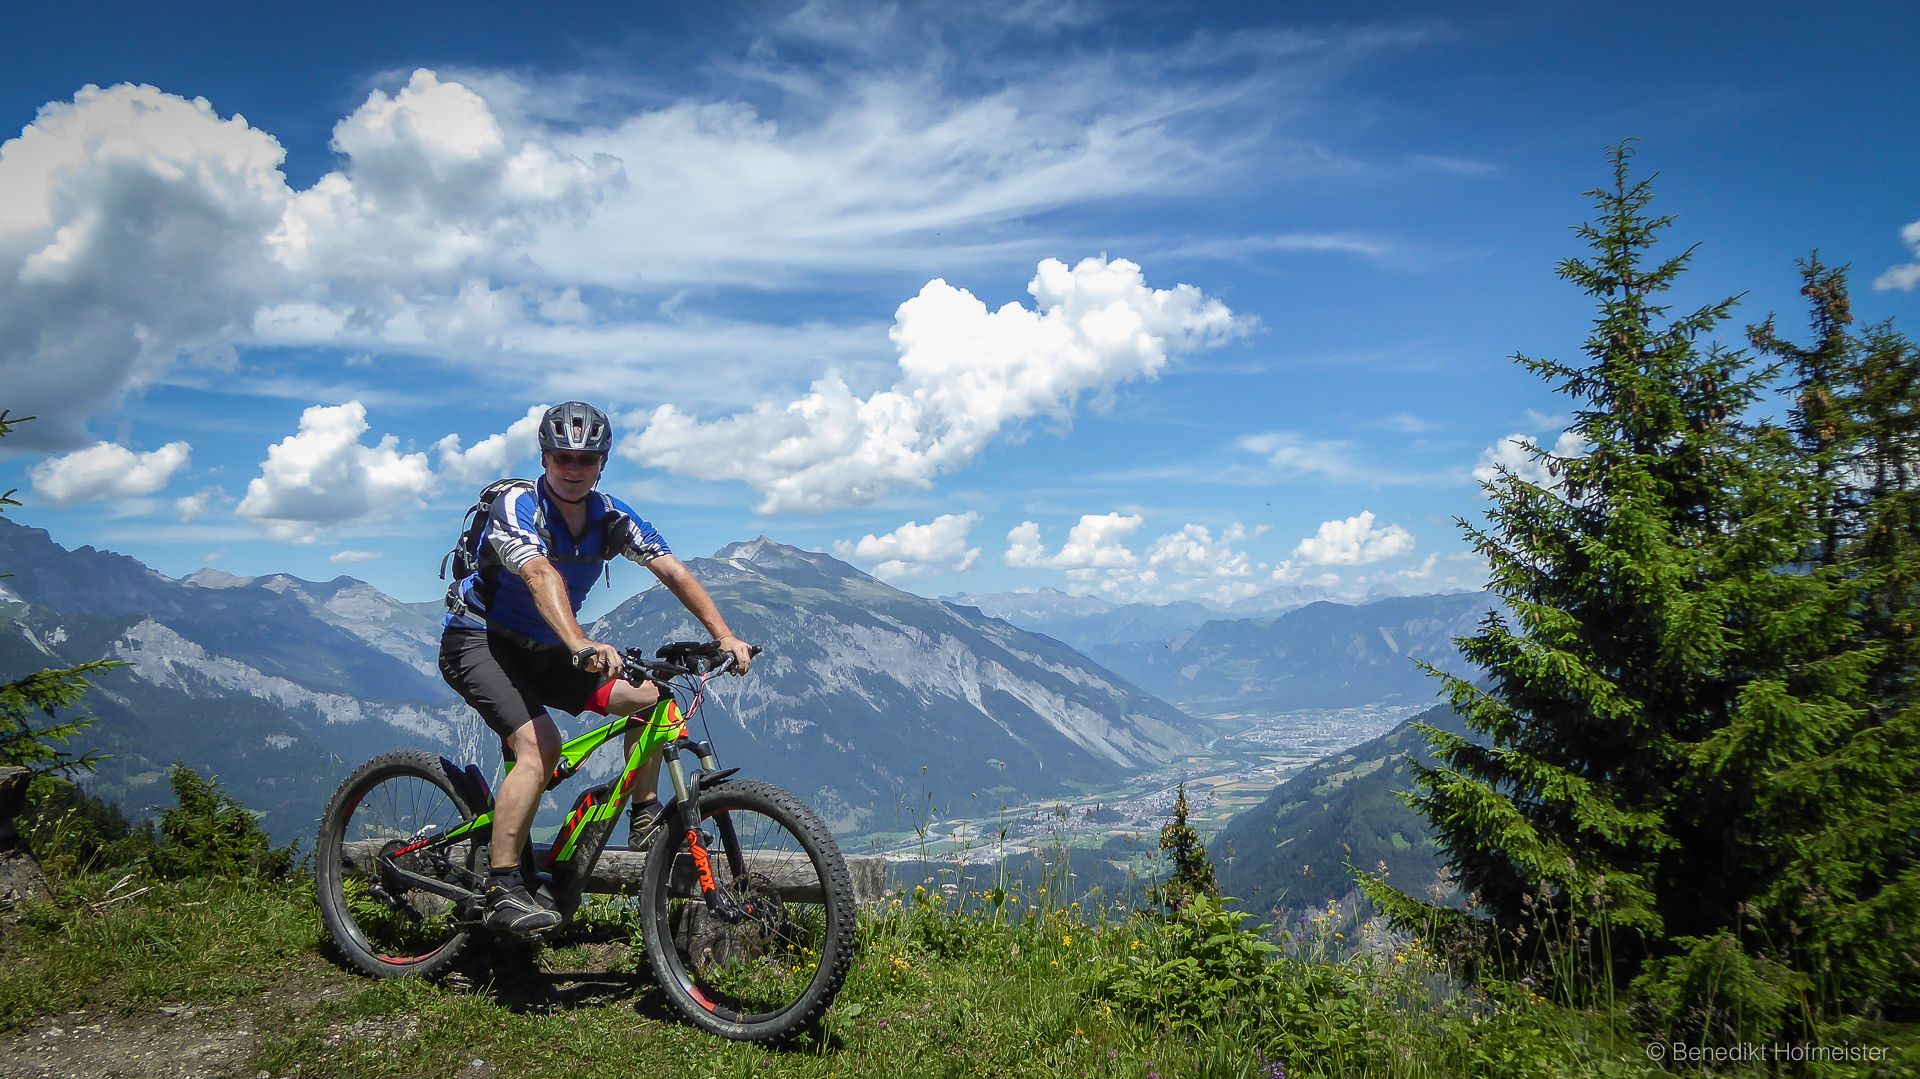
[687,797]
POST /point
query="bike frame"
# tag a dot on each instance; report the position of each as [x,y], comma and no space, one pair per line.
[569,860]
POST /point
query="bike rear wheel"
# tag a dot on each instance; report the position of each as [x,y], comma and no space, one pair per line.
[772,974]
[382,925]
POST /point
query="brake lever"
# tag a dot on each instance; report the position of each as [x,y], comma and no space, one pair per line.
[639,669]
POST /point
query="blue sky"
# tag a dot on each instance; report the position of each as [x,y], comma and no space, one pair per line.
[1150,301]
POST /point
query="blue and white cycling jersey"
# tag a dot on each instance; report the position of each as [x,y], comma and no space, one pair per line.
[524,524]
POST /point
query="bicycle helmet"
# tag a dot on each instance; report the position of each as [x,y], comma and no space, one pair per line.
[576,425]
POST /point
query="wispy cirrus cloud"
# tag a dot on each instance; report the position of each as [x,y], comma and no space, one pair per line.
[489,219]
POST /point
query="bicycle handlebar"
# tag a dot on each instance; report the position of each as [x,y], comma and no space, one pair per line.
[679,658]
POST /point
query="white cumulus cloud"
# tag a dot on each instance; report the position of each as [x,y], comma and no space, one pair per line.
[915,547]
[107,470]
[323,476]
[1353,542]
[966,374]
[494,456]
[1188,564]
[1193,552]
[1097,541]
[200,503]
[139,226]
[1905,277]
[1517,454]
[433,191]
[134,228]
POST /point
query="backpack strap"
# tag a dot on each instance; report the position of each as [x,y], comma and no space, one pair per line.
[468,557]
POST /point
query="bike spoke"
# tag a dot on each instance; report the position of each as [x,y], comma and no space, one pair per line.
[773,955]
[389,824]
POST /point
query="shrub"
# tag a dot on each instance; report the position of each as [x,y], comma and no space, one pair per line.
[72,832]
[209,834]
[1196,969]
[1716,993]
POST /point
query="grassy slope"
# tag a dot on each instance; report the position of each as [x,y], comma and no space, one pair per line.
[935,992]
[1292,849]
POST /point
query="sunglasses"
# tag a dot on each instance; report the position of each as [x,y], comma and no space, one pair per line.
[575,460]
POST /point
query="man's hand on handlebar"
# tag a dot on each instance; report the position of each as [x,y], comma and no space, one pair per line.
[599,659]
[742,652]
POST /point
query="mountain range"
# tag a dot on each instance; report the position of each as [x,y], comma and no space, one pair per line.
[1317,655]
[869,702]
[273,685]
[883,699]
[1087,622]
[1323,655]
[880,708]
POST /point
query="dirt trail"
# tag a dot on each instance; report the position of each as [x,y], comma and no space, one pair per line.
[177,1041]
[217,1041]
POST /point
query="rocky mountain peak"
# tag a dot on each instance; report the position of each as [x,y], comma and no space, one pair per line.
[213,578]
[772,558]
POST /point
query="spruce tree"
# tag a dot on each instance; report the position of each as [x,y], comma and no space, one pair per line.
[1849,903]
[1662,660]
[24,742]
[1192,869]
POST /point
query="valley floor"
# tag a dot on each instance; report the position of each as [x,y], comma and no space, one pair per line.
[1237,769]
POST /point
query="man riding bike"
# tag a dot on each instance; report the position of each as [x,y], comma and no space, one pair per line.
[512,645]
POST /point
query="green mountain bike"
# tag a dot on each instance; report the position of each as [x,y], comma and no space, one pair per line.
[746,906]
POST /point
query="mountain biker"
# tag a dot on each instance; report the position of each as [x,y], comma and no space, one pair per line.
[512,646]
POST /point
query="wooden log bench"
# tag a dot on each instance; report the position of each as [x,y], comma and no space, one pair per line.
[619,872]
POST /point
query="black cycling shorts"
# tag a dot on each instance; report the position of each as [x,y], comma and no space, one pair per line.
[509,684]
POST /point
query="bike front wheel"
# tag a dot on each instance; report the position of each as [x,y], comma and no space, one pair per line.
[773,972]
[382,925]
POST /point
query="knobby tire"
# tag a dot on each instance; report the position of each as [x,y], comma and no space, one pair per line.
[769,977]
[387,801]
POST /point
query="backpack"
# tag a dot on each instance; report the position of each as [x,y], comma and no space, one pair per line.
[465,559]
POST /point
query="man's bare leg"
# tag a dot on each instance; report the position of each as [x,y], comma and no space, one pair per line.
[628,700]
[510,905]
[536,749]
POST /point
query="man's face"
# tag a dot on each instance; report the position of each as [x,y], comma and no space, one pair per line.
[570,474]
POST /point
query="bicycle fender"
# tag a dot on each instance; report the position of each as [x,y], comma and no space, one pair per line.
[703,780]
[699,781]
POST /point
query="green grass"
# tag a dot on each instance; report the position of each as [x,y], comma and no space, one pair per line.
[960,986]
